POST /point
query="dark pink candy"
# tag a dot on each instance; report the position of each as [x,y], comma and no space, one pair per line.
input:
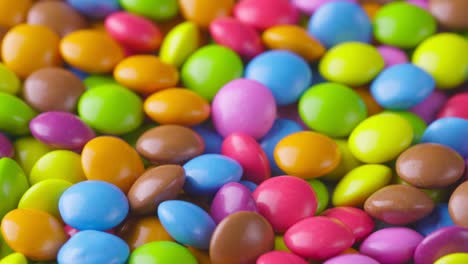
[351,259]
[309,6]
[6,148]
[429,108]
[356,219]
[232,197]
[456,106]
[263,14]
[280,257]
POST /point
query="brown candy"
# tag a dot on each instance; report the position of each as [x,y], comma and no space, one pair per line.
[52,89]
[458,205]
[56,15]
[452,14]
[399,204]
[430,166]
[155,186]
[241,238]
[170,144]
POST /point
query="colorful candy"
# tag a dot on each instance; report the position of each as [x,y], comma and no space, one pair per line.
[162,251]
[15,184]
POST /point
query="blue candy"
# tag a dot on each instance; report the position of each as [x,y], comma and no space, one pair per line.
[449,131]
[186,223]
[439,218]
[95,8]
[93,247]
[286,74]
[213,140]
[205,174]
[337,22]
[93,205]
[402,86]
[250,185]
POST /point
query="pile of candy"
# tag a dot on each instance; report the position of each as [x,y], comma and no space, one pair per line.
[232,132]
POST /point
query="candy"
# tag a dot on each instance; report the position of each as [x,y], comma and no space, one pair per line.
[14,258]
[455,107]
[203,12]
[457,205]
[278,257]
[241,238]
[53,164]
[27,151]
[14,114]
[442,242]
[347,162]
[418,125]
[6,148]
[360,223]
[213,140]
[179,43]
[439,218]
[163,252]
[453,258]
[449,131]
[392,55]
[10,82]
[321,193]
[156,10]
[231,198]
[140,231]
[449,13]
[428,108]
[13,13]
[13,182]
[371,105]
[95,9]
[351,258]
[310,6]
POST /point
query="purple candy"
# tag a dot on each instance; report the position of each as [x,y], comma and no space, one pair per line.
[429,108]
[6,148]
[394,245]
[61,130]
[309,6]
[442,242]
[392,55]
[466,169]
[421,3]
[232,197]
[351,258]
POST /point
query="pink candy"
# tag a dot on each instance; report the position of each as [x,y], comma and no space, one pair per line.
[231,198]
[262,14]
[356,219]
[392,55]
[309,6]
[280,257]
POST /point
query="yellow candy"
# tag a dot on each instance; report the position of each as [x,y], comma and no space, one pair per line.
[380,138]
[360,183]
[58,164]
[445,57]
[14,258]
[10,82]
[454,258]
[179,43]
[27,151]
[347,163]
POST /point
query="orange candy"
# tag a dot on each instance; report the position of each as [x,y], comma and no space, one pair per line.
[145,74]
[139,231]
[113,160]
[307,154]
[13,12]
[372,106]
[371,9]
[202,256]
[202,12]
[295,39]
[92,51]
[177,106]
[33,233]
[27,48]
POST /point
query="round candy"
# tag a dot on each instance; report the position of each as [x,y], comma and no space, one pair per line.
[332,109]
[450,13]
[403,25]
[213,140]
[27,151]
[111,159]
[321,193]
[392,55]
[53,164]
[10,82]
[13,13]
[351,63]
[285,200]
[371,105]
[360,223]
[162,252]
[307,154]
[179,43]
[15,114]
[278,257]
[203,12]
[33,233]
[241,238]
[14,258]
[155,186]
[402,86]
[458,205]
[338,22]
[94,205]
[351,258]
[231,198]
[393,245]
[23,54]
[263,14]
[139,231]
[442,242]
[416,122]
[428,108]
[90,50]
[186,223]
[449,131]
[456,106]
[14,184]
[453,258]
[94,80]
[248,99]
[95,9]
[347,162]
[97,108]
[445,57]
[207,173]
[155,10]
[6,148]
[439,218]
[390,135]
[286,74]
[92,247]
[209,68]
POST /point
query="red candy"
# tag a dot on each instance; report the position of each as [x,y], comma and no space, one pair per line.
[360,223]
[456,106]
[280,257]
[245,150]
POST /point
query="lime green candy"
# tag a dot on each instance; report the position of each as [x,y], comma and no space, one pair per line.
[27,151]
[437,195]
[58,164]
[96,80]
[403,25]
[280,245]
[157,10]
[321,192]
[179,43]
[360,183]
[14,114]
[111,109]
[380,138]
[14,258]
[162,252]
[210,68]
[445,57]
[45,196]
[347,162]
[332,109]
[351,63]
[13,184]
[9,81]
[454,258]
[416,122]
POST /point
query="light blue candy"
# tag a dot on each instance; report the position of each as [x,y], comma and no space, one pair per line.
[187,223]
[250,185]
[448,131]
[95,8]
[213,140]
[439,218]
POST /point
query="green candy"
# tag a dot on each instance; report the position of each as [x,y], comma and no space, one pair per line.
[153,9]
[14,114]
[418,125]
[52,165]
[13,184]
[28,150]
[210,68]
[321,192]
[111,109]
[403,25]
[10,82]
[96,80]
[332,109]
[4,248]
[179,43]
[162,252]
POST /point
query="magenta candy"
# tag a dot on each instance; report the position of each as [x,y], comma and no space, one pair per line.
[442,242]
[456,106]
[6,148]
[61,130]
[285,200]
[318,237]
[466,169]
[245,106]
[429,108]
[421,3]
[250,155]
[309,6]
[351,258]
[262,14]
[393,245]
[280,257]
[356,219]
[392,55]
[231,198]
[237,36]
